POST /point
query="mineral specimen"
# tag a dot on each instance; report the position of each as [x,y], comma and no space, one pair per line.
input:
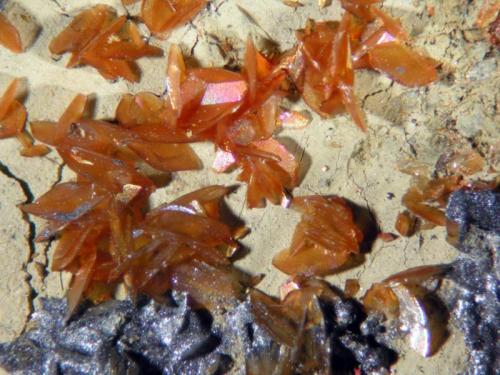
[12,112]
[405,224]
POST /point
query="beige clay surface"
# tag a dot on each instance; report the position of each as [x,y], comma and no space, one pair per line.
[336,158]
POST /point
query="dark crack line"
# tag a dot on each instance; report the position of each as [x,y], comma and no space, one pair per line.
[47,248]
[61,8]
[253,21]
[4,169]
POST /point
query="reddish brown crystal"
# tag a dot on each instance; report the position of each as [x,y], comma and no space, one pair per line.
[111,44]
[327,78]
[162,16]
[9,36]
[402,64]
[324,240]
[105,237]
[103,144]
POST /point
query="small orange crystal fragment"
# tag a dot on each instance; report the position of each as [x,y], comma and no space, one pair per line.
[12,120]
[12,113]
[324,240]
[405,224]
[9,36]
[402,64]
[351,288]
[381,298]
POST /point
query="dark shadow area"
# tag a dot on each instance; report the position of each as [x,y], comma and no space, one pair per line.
[439,317]
[145,365]
[230,218]
[366,220]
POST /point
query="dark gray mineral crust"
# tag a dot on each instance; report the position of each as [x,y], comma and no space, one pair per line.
[119,337]
[475,300]
[116,337]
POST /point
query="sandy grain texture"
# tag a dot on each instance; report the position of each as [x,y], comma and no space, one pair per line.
[336,158]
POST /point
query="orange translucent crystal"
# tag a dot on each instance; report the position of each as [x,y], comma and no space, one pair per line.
[381,297]
[106,237]
[13,118]
[238,111]
[297,322]
[325,239]
[111,44]
[405,224]
[162,16]
[12,112]
[9,36]
[106,152]
[366,37]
